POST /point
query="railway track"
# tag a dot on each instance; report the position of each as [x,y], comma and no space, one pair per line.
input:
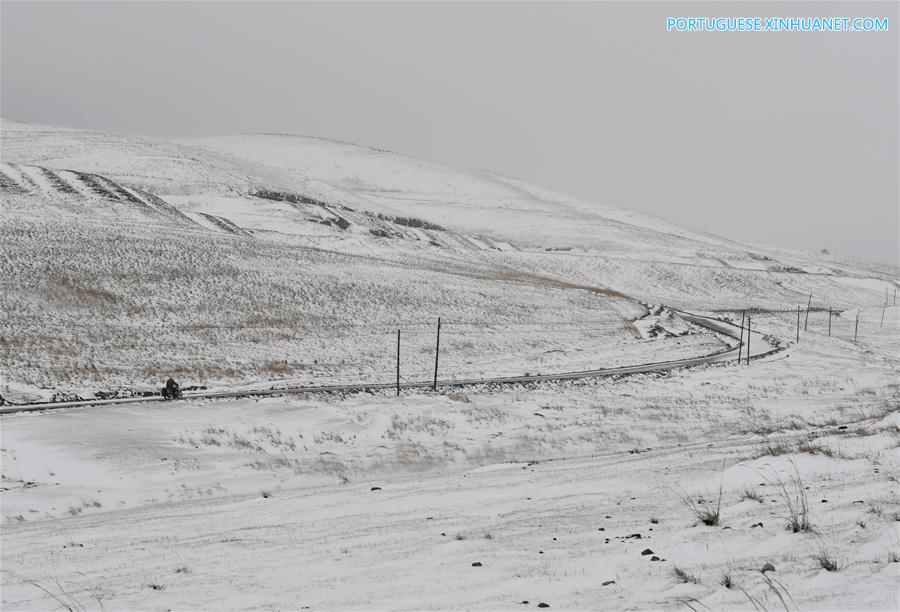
[763,347]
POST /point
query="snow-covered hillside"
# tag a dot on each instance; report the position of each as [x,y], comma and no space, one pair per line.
[259,257]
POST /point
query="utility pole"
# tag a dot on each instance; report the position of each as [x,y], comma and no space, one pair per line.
[437,351]
[808,304]
[882,313]
[748,340]
[856,329]
[829,322]
[741,343]
[798,324]
[398,363]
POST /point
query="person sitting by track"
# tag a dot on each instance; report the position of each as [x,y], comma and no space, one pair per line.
[171,390]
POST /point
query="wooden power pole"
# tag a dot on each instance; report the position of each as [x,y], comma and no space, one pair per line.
[748,340]
[808,304]
[437,352]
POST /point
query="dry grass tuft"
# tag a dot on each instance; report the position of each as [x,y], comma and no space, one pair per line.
[795,498]
[684,577]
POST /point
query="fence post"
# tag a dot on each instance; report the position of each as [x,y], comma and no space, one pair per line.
[882,313]
[398,362]
[808,304]
[798,324]
[829,321]
[748,340]
[741,343]
[856,328]
[437,351]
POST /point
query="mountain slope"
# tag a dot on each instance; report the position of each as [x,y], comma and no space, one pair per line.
[236,259]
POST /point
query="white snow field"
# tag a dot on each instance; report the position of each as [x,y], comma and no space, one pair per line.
[267,261]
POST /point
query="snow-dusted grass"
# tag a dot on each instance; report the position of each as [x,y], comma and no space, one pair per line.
[95,306]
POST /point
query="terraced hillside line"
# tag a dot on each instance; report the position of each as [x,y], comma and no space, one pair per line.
[58,182]
[96,186]
[161,206]
[20,178]
[225,224]
[8,184]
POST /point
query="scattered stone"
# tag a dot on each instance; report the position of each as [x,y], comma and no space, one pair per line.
[543,605]
[756,525]
[476,564]
[375,489]
[608,516]
[554,539]
[601,528]
[540,552]
[524,601]
[824,501]
[608,582]
[654,558]
[636,536]
[646,552]
[768,567]
[842,427]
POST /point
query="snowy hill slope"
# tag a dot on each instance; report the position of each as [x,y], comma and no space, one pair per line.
[262,256]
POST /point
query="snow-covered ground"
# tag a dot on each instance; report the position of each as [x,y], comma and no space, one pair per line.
[257,261]
[273,503]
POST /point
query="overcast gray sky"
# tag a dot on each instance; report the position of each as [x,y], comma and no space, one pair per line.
[782,138]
